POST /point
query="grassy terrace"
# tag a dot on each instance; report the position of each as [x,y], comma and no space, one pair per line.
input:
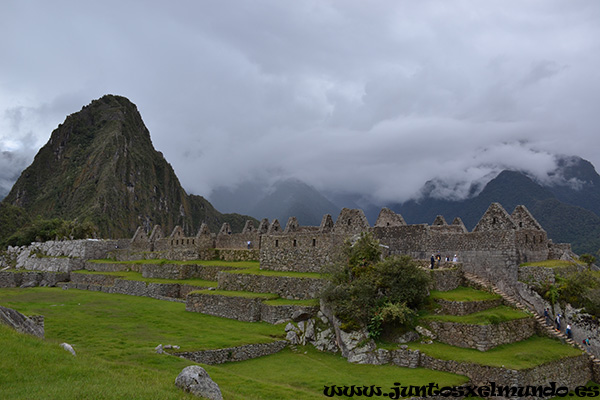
[520,355]
[137,276]
[551,264]
[494,315]
[464,294]
[213,263]
[286,302]
[231,293]
[242,267]
[115,335]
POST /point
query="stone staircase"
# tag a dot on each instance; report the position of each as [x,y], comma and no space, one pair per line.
[479,282]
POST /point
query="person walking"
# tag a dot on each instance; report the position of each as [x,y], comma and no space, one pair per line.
[557,320]
[432,261]
[568,331]
[547,316]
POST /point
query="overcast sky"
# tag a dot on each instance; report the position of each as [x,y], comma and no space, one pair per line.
[375,97]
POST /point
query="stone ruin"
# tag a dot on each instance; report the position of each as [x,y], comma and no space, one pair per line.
[493,249]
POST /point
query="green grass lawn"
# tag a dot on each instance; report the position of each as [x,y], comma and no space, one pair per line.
[303,374]
[208,263]
[242,267]
[31,368]
[118,325]
[551,263]
[115,335]
[137,276]
[520,355]
[255,270]
[464,294]
[494,315]
[232,293]
[286,302]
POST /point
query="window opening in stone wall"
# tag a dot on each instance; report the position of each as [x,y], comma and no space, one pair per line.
[295,243]
[534,239]
[494,221]
[188,241]
[349,221]
[276,243]
[520,224]
[526,238]
[171,242]
[314,242]
[193,241]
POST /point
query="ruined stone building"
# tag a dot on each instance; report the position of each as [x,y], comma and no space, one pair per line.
[493,249]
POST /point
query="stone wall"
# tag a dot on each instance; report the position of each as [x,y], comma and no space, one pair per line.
[115,284]
[244,309]
[111,267]
[445,279]
[571,372]
[299,251]
[240,308]
[275,314]
[483,337]
[537,275]
[285,286]
[238,240]
[30,279]
[231,354]
[466,307]
[182,271]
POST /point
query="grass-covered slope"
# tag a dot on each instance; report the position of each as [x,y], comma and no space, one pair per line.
[115,335]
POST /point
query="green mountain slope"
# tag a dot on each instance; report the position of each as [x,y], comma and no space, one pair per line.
[100,166]
[565,223]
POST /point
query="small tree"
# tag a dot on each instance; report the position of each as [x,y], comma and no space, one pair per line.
[588,259]
[366,292]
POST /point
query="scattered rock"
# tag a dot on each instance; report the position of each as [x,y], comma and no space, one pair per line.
[194,379]
[425,332]
[159,349]
[29,284]
[68,348]
[292,337]
[409,336]
[21,323]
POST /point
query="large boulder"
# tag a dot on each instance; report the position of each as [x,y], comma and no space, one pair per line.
[21,323]
[194,379]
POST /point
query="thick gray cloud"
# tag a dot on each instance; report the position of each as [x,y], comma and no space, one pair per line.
[375,98]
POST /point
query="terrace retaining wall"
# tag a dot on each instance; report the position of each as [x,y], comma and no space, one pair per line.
[466,307]
[230,354]
[483,337]
[285,286]
[570,372]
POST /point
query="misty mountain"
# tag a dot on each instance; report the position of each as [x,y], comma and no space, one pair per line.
[100,166]
[281,200]
[561,208]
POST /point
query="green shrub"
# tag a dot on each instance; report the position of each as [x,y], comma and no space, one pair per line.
[42,230]
[588,259]
[365,291]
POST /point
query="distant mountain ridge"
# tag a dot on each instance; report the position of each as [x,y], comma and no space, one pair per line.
[567,204]
[100,165]
[567,211]
[281,200]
